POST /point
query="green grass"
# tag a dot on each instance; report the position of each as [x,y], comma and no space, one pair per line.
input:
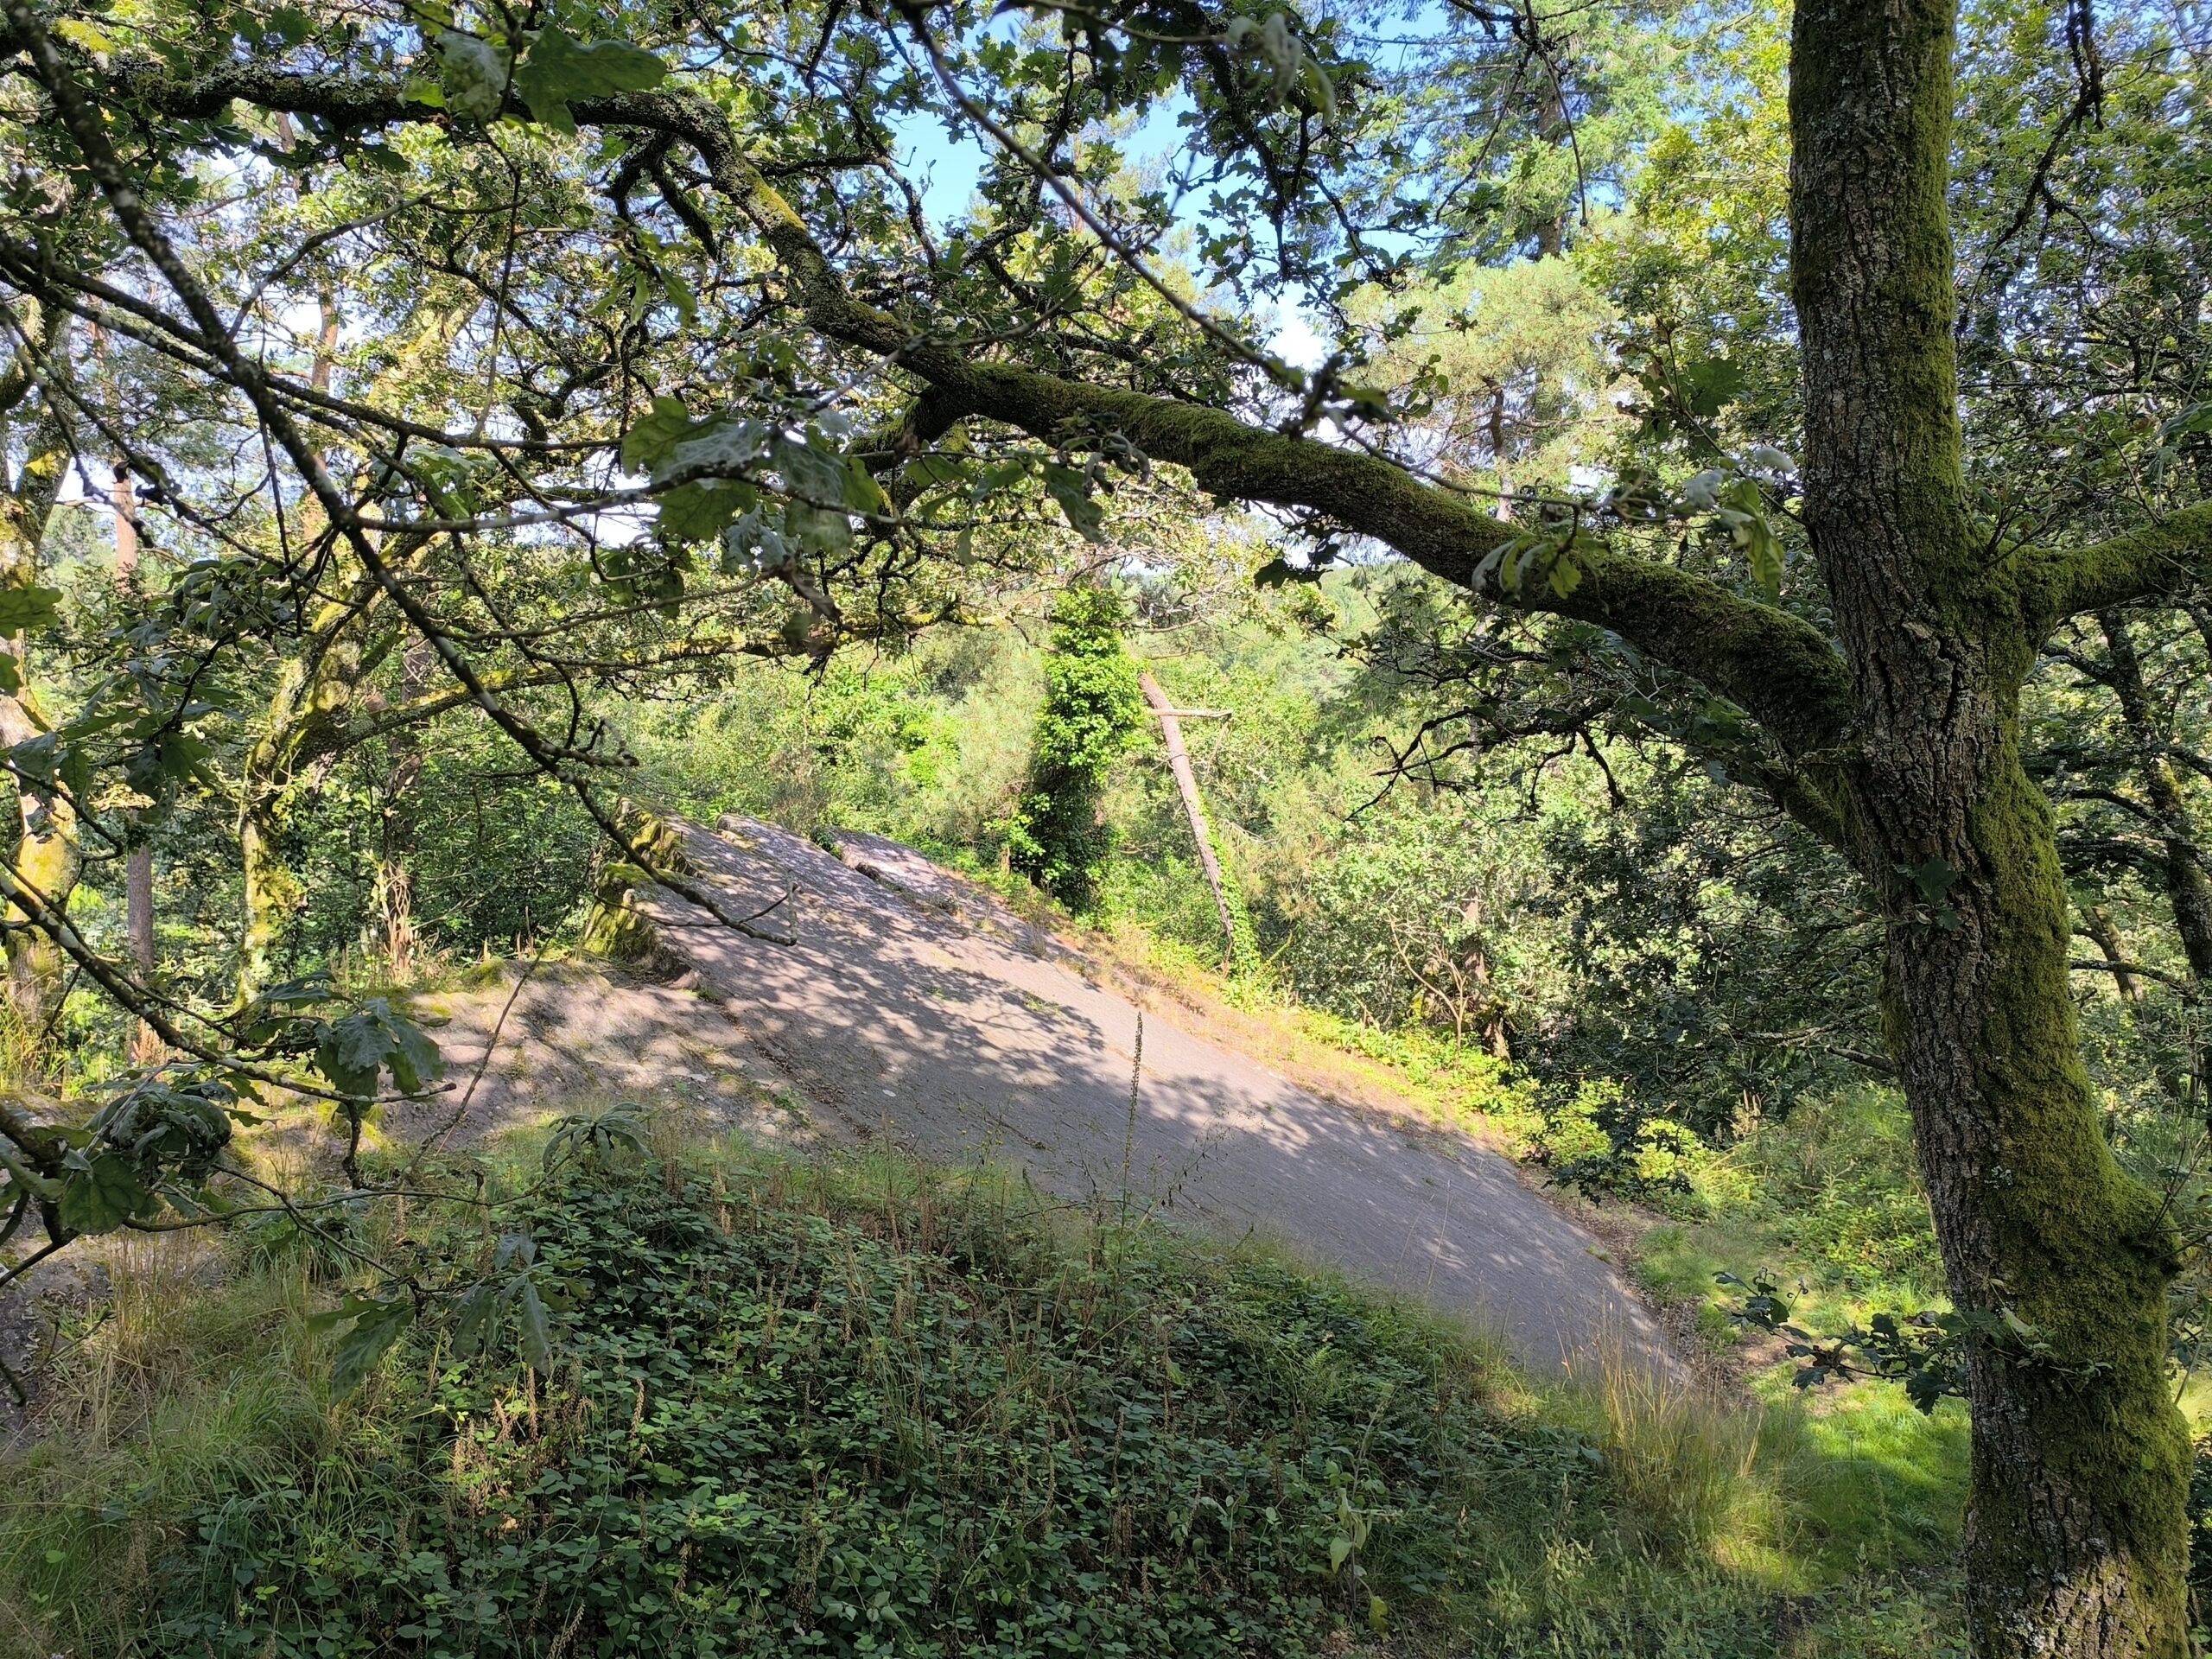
[871,1408]
[1825,1202]
[1825,1199]
[177,1393]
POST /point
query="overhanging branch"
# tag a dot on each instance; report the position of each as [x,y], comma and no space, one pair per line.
[1775,665]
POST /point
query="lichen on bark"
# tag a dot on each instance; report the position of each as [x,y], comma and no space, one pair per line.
[2075,1538]
[616,925]
[308,720]
[2076,1534]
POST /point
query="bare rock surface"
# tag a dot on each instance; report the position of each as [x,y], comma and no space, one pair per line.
[914,1005]
[576,1038]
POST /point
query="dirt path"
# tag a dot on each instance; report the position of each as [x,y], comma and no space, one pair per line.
[915,1006]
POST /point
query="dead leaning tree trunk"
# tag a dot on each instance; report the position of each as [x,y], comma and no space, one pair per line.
[1178,762]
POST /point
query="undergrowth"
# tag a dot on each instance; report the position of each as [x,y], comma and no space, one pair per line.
[869,1407]
[1825,1197]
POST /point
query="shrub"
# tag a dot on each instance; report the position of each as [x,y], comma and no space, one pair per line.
[1594,1137]
[492,856]
[772,1427]
[1399,924]
[1838,1179]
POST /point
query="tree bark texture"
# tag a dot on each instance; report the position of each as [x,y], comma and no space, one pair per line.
[2076,1537]
[310,719]
[41,824]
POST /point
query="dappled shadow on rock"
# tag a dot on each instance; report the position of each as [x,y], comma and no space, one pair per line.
[919,1009]
[568,1038]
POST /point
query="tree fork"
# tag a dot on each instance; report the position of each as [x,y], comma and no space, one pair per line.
[309,719]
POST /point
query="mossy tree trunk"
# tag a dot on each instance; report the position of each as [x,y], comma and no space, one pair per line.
[325,706]
[320,709]
[44,853]
[2076,1534]
[41,824]
[311,719]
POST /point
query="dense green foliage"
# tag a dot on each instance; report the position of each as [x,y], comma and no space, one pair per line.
[1059,835]
[875,1409]
[772,1431]
[493,859]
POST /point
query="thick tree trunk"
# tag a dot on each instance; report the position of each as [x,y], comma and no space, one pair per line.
[307,722]
[2075,1539]
[310,719]
[41,825]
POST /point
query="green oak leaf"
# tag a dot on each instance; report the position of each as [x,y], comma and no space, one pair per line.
[654,435]
[103,1195]
[472,76]
[559,70]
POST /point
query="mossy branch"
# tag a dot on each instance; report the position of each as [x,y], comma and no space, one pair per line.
[2161,560]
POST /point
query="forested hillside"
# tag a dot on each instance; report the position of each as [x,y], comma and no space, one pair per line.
[1628,584]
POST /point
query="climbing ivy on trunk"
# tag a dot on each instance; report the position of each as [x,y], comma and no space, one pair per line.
[1093,709]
